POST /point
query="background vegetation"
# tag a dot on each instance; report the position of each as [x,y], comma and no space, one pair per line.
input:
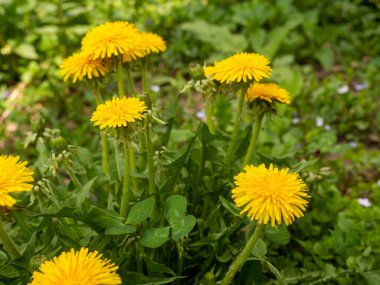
[325,53]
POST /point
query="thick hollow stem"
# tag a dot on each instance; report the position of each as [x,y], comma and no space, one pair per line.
[135,183]
[144,75]
[127,179]
[241,259]
[235,131]
[149,153]
[8,244]
[130,84]
[103,135]
[106,166]
[252,144]
[120,81]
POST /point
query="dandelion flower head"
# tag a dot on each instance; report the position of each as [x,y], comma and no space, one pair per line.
[147,43]
[268,92]
[118,112]
[81,65]
[111,39]
[240,67]
[270,194]
[14,177]
[77,268]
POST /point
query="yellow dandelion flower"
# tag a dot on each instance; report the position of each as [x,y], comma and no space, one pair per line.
[270,194]
[14,177]
[147,43]
[267,92]
[240,67]
[111,39]
[118,112]
[81,65]
[77,268]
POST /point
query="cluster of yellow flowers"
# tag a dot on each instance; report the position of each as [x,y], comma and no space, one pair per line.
[248,67]
[268,195]
[106,41]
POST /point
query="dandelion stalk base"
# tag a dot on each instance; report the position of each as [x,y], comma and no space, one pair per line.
[241,259]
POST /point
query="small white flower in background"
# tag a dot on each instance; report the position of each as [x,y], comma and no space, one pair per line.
[342,89]
[327,128]
[361,86]
[296,120]
[319,122]
[155,88]
[378,183]
[201,115]
[364,202]
[353,144]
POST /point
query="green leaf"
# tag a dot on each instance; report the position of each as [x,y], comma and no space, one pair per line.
[133,278]
[279,235]
[231,207]
[260,248]
[155,237]
[219,37]
[183,227]
[8,271]
[26,50]
[140,211]
[82,194]
[372,277]
[302,165]
[154,267]
[175,208]
[121,230]
[104,218]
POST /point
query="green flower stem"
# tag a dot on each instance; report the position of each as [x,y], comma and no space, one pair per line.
[208,110]
[131,89]
[135,183]
[97,96]
[127,178]
[120,81]
[106,166]
[241,259]
[149,152]
[130,84]
[144,75]
[118,168]
[103,135]
[72,175]
[255,135]
[235,131]
[8,244]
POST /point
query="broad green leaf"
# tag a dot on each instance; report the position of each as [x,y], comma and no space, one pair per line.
[8,271]
[279,235]
[155,237]
[120,230]
[155,267]
[175,208]
[260,248]
[82,194]
[183,227]
[104,218]
[218,36]
[140,211]
[372,277]
[26,50]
